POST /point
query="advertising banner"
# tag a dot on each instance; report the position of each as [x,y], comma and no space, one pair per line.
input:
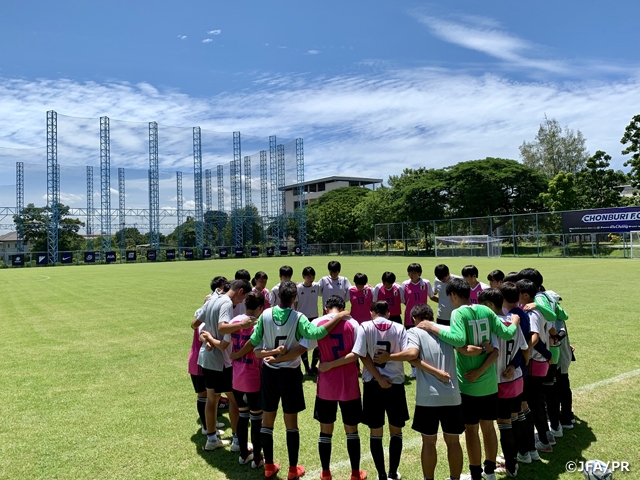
[601,220]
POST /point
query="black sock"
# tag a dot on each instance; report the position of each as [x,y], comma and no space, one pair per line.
[324,448]
[315,358]
[242,431]
[266,435]
[476,472]
[528,431]
[353,449]
[293,446]
[256,426]
[395,452]
[515,426]
[507,441]
[202,403]
[489,467]
[377,453]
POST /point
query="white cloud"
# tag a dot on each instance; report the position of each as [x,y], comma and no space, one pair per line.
[182,37]
[189,205]
[214,32]
[313,52]
[485,35]
[207,40]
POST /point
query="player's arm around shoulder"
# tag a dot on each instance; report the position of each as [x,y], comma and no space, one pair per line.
[500,329]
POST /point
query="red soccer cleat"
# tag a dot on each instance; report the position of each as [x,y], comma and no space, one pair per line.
[270,470]
[295,472]
[326,475]
[361,475]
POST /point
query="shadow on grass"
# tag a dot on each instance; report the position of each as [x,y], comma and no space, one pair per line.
[569,448]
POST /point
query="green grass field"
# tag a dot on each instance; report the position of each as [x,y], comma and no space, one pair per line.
[94,379]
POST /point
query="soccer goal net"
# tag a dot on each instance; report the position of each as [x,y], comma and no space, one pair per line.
[635,244]
[469,246]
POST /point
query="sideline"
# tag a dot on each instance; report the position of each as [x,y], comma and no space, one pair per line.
[416,442]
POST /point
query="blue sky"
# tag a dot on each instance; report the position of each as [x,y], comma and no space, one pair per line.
[371,86]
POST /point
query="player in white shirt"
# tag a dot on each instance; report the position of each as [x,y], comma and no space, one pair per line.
[334,284]
[443,276]
[383,385]
[286,272]
[307,303]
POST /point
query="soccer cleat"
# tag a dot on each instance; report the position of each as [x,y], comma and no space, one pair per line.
[204,430]
[397,477]
[526,458]
[544,448]
[245,461]
[235,446]
[534,455]
[270,470]
[218,443]
[259,464]
[567,427]
[219,425]
[295,472]
[573,421]
[489,476]
[551,439]
[515,473]
[326,475]
[413,372]
[362,475]
[556,433]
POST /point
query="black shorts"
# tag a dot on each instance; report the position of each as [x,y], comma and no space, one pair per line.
[475,409]
[443,321]
[396,318]
[550,379]
[248,399]
[219,382]
[281,383]
[325,411]
[198,383]
[377,400]
[427,419]
[508,406]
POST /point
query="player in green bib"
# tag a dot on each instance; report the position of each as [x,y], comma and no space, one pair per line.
[471,329]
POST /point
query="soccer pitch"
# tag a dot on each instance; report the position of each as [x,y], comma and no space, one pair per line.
[94,379]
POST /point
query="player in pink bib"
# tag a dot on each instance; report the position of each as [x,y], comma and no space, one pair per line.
[417,291]
[361,298]
[470,275]
[392,294]
[338,385]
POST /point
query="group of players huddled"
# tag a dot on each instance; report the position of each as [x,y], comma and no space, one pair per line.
[492,353]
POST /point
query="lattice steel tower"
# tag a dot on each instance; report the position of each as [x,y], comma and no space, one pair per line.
[180,203]
[53,188]
[89,226]
[197,186]
[208,206]
[236,190]
[248,217]
[121,209]
[20,204]
[281,193]
[264,194]
[154,188]
[275,203]
[105,183]
[220,178]
[301,213]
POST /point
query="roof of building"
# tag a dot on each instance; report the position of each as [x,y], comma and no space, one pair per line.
[334,178]
[9,237]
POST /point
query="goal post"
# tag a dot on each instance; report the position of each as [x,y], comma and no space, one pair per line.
[634,243]
[470,246]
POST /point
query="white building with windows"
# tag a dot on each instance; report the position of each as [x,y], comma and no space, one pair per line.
[9,244]
[314,189]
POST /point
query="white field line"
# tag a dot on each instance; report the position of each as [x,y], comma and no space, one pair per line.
[417,442]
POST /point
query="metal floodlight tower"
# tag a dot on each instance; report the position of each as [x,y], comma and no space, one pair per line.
[121,208]
[302,209]
[20,204]
[273,164]
[197,186]
[236,190]
[248,220]
[220,177]
[208,206]
[53,190]
[180,203]
[264,193]
[281,193]
[105,183]
[154,188]
[89,226]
